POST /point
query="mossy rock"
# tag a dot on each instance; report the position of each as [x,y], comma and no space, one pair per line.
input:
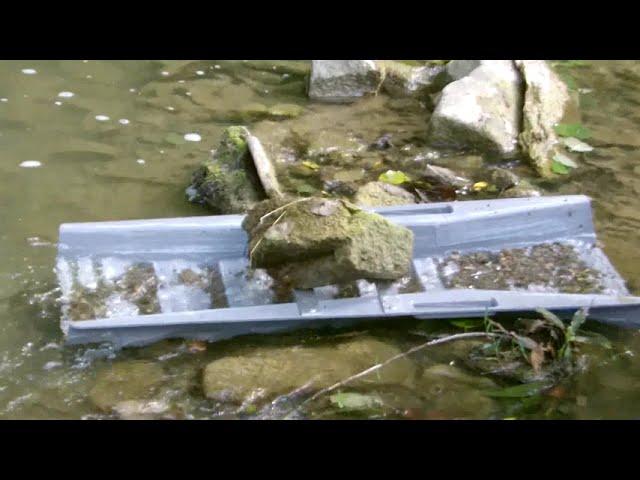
[267,372]
[124,381]
[316,241]
[228,183]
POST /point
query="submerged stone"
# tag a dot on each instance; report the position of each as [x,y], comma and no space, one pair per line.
[340,81]
[545,101]
[125,381]
[267,372]
[481,111]
[382,194]
[445,176]
[504,179]
[315,241]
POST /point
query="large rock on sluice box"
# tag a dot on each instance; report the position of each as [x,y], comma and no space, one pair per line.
[343,81]
[481,110]
[545,101]
[268,372]
[311,242]
[237,176]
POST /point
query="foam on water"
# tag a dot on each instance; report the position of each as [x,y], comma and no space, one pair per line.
[86,273]
[117,306]
[65,277]
[183,298]
[112,268]
[427,272]
[242,287]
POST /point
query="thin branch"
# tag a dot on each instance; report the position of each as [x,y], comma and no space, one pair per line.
[283,207]
[258,242]
[437,341]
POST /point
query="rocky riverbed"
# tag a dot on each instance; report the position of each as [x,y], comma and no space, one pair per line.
[107,140]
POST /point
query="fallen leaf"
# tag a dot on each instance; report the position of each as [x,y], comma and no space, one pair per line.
[572,130]
[478,186]
[575,145]
[354,401]
[196,346]
[564,160]
[559,168]
[311,165]
[394,177]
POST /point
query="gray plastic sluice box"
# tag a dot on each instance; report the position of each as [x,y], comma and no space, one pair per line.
[89,252]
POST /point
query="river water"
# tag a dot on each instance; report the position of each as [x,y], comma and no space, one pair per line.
[105,140]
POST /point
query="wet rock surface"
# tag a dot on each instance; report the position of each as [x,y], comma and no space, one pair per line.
[481,110]
[228,182]
[406,80]
[545,101]
[381,194]
[315,241]
[124,382]
[551,267]
[342,81]
[267,372]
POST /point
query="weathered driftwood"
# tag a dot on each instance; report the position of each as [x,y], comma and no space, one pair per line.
[264,167]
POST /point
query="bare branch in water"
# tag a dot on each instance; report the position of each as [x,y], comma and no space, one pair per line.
[437,341]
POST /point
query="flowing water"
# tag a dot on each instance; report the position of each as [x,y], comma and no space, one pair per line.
[112,140]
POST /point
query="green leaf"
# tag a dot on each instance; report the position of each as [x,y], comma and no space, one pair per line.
[518,391]
[174,139]
[551,318]
[466,323]
[354,401]
[578,320]
[575,145]
[593,338]
[559,168]
[564,160]
[394,177]
[572,130]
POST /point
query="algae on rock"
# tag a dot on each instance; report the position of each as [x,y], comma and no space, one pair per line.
[313,241]
[268,372]
[233,180]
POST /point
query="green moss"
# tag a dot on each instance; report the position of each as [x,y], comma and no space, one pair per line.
[228,182]
[317,241]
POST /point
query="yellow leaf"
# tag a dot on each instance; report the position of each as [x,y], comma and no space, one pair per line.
[480,186]
[311,165]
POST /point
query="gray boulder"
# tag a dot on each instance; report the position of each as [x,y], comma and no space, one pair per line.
[402,80]
[343,81]
[545,101]
[481,110]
